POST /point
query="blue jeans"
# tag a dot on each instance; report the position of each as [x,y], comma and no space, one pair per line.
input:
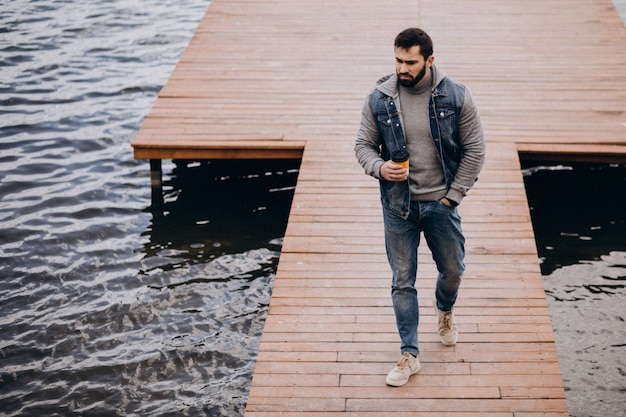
[441,226]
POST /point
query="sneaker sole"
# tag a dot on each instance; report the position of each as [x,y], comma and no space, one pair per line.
[443,342]
[399,383]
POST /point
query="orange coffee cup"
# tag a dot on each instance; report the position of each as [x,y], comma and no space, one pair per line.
[401,158]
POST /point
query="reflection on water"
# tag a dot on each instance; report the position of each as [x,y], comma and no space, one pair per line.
[106,308]
[579,216]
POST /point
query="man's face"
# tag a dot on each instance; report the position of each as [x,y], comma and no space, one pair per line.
[411,66]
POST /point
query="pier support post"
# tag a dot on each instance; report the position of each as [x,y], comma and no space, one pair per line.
[156,182]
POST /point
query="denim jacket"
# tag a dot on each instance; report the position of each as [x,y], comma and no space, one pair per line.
[456,131]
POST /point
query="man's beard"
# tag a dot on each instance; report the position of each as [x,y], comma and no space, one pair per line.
[414,81]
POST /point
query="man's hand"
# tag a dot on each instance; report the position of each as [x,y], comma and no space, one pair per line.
[393,172]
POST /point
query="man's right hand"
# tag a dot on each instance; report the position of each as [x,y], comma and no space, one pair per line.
[393,172]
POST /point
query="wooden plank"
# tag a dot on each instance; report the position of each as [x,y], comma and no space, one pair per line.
[400,414]
[168,148]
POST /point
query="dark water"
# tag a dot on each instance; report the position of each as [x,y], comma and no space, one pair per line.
[579,216]
[106,307]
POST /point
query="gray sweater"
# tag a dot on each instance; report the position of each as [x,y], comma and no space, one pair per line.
[426,177]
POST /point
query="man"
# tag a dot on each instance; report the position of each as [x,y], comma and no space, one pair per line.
[421,111]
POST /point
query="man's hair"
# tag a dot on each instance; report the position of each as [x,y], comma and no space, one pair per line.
[411,37]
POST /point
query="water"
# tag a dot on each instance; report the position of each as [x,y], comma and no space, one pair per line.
[579,216]
[108,308]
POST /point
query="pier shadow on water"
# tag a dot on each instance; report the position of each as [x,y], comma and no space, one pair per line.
[578,212]
[212,208]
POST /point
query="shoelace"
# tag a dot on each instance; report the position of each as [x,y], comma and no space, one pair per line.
[446,322]
[403,362]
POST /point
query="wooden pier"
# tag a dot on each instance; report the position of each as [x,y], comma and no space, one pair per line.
[287,78]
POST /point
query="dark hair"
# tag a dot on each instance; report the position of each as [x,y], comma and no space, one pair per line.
[415,37]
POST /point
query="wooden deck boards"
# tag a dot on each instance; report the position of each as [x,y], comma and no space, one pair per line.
[279,78]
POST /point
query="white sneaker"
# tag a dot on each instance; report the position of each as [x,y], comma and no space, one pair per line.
[448,332]
[408,365]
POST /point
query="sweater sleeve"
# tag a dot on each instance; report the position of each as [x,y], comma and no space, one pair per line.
[474,150]
[368,142]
